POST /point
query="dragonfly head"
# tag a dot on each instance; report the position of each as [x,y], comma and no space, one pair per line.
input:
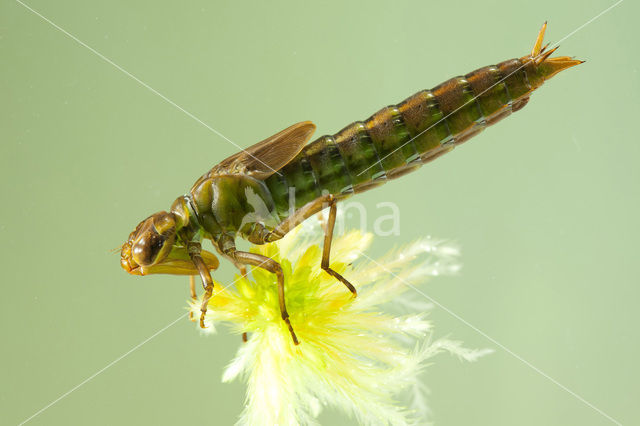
[152,249]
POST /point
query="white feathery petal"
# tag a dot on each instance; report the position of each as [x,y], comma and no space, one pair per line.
[354,354]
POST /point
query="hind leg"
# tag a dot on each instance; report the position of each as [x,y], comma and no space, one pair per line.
[326,247]
[303,213]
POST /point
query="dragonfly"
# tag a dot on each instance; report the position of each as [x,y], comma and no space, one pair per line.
[264,191]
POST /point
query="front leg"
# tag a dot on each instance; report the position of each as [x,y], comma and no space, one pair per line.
[194,252]
[194,296]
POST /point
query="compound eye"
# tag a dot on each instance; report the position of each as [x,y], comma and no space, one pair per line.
[147,248]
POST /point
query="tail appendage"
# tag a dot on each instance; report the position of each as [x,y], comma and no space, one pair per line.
[548,67]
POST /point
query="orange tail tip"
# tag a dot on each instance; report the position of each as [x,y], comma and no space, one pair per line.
[555,65]
[541,57]
[537,47]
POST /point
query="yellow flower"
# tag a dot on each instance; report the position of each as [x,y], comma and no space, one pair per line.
[358,355]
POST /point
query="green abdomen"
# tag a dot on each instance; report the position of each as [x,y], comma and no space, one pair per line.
[400,138]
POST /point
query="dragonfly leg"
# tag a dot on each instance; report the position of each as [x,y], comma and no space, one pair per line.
[304,212]
[207,282]
[194,296]
[326,247]
[242,268]
[192,287]
[270,265]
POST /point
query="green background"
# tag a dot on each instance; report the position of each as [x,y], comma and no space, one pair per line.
[544,205]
